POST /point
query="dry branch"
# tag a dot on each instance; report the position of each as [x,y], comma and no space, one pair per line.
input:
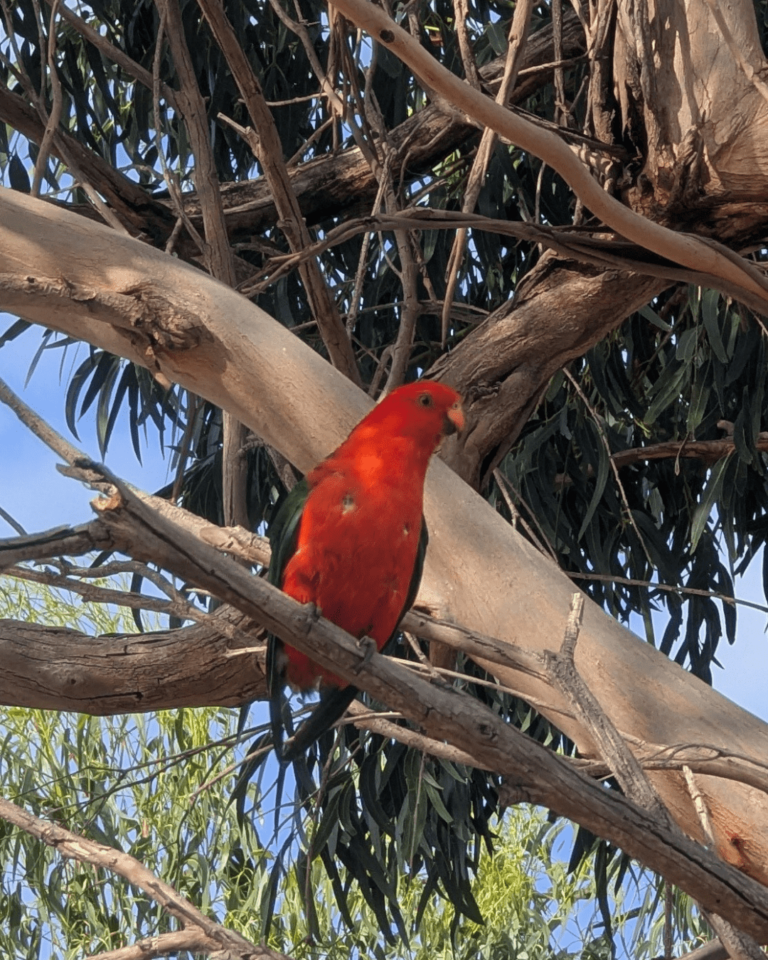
[628,771]
[596,250]
[690,251]
[205,337]
[265,143]
[559,312]
[217,253]
[54,668]
[75,847]
[105,676]
[448,714]
[442,712]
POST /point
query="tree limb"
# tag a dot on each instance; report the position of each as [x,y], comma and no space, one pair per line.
[208,338]
[75,847]
[445,713]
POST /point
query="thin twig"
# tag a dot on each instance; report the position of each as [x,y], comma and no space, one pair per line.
[38,426]
[55,115]
[503,481]
[171,182]
[518,32]
[609,742]
[461,15]
[668,588]
[363,718]
[12,522]
[561,108]
[66,148]
[93,593]
[570,243]
[701,806]
[115,54]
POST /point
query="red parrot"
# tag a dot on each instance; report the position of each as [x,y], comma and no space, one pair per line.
[350,538]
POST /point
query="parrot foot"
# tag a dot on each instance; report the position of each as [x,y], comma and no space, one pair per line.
[313,611]
[368,647]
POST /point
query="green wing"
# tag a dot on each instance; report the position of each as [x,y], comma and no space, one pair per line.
[418,570]
[334,701]
[283,533]
[284,530]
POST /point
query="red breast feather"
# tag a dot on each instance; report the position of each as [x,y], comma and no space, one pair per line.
[360,528]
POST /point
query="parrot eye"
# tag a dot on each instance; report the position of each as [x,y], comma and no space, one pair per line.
[425,399]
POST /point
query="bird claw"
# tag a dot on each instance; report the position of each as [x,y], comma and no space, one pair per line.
[368,647]
[313,611]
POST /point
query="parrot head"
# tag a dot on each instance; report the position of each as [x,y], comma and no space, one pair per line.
[424,411]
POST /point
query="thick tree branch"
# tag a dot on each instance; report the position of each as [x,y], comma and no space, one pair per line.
[53,668]
[101,664]
[611,746]
[518,33]
[445,713]
[505,363]
[212,341]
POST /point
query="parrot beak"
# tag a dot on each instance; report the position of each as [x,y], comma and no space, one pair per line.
[454,420]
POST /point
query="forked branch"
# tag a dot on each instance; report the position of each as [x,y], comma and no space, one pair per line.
[697,254]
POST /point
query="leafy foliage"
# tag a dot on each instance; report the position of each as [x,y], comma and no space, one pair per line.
[674,371]
[157,786]
[669,520]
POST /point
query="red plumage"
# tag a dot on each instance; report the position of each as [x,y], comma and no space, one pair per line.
[358,536]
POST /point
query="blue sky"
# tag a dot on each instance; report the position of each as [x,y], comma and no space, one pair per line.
[31,489]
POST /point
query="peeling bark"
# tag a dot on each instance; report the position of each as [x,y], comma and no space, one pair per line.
[561,311]
[53,668]
[689,78]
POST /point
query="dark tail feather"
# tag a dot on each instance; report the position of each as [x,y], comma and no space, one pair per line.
[332,706]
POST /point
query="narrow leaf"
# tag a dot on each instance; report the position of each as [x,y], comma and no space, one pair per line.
[710,495]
